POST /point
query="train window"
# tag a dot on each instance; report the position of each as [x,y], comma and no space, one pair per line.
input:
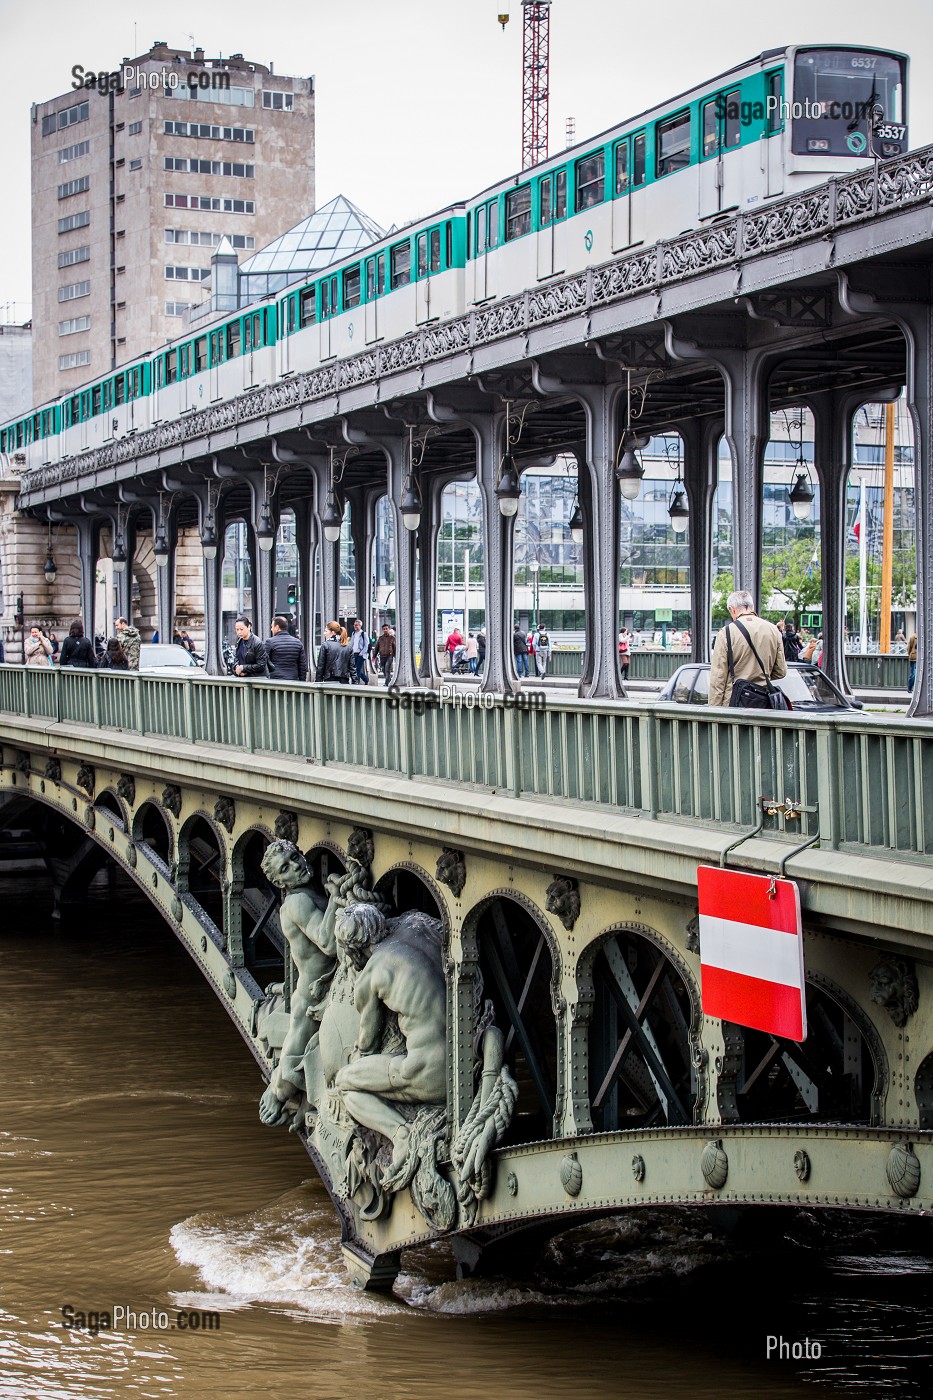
[257,329]
[171,367]
[307,306]
[290,317]
[517,213]
[233,339]
[775,97]
[76,409]
[639,166]
[373,287]
[732,128]
[673,144]
[351,288]
[449,244]
[200,354]
[434,261]
[481,221]
[422,246]
[710,130]
[622,168]
[400,265]
[119,389]
[494,224]
[560,195]
[106,397]
[247,334]
[95,400]
[590,182]
[546,201]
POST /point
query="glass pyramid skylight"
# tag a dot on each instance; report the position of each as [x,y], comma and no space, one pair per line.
[327,235]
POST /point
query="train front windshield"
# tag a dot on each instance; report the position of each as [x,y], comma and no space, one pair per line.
[835,91]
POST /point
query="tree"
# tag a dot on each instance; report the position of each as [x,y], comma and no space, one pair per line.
[791,575]
[722,586]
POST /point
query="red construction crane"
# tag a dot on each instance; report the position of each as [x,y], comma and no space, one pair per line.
[535,74]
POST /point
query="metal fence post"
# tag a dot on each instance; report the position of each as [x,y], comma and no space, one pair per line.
[189,709]
[829,777]
[25,689]
[647,758]
[247,704]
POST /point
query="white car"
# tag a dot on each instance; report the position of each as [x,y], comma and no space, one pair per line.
[166,659]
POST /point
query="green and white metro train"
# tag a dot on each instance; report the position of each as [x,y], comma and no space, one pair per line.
[770,127]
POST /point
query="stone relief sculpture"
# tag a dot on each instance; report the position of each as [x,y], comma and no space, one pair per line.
[171,799]
[450,870]
[126,788]
[225,812]
[286,827]
[362,1047]
[563,899]
[86,778]
[894,986]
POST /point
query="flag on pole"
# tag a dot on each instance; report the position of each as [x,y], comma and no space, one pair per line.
[751,951]
[857,527]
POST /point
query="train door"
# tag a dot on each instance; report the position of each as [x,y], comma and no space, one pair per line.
[328,309]
[481,244]
[422,280]
[552,209]
[710,167]
[622,198]
[546,226]
[375,286]
[774,140]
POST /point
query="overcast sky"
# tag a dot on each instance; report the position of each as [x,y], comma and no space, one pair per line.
[419,101]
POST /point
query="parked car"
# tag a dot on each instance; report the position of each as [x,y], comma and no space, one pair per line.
[166,659]
[805,686]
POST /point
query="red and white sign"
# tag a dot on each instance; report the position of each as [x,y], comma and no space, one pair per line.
[751,951]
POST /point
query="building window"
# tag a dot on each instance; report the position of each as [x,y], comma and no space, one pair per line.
[79,323]
[134,92]
[68,153]
[210,203]
[232,96]
[206,131]
[134,128]
[74,221]
[74,290]
[199,238]
[74,255]
[192,166]
[69,116]
[187,274]
[70,187]
[177,308]
[75,360]
[673,144]
[136,165]
[278,101]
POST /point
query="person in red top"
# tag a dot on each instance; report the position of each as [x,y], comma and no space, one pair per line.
[453,641]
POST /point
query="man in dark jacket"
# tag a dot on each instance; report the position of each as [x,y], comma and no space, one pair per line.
[285,653]
[333,660]
[385,650]
[250,652]
[790,641]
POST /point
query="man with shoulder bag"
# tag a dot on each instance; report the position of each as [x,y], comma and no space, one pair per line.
[747,657]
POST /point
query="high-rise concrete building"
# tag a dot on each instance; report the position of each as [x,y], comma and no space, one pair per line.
[135,180]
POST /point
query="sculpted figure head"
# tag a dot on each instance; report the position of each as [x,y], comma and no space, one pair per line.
[284,866]
[894,986]
[359,928]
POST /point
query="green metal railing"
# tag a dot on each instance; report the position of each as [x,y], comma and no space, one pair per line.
[644,665]
[887,672]
[872,780]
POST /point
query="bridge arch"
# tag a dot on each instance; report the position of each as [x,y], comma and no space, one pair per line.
[108,802]
[254,935]
[839,1073]
[152,827]
[202,864]
[406,885]
[510,942]
[636,1031]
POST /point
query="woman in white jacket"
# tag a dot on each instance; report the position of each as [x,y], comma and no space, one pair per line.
[38,648]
